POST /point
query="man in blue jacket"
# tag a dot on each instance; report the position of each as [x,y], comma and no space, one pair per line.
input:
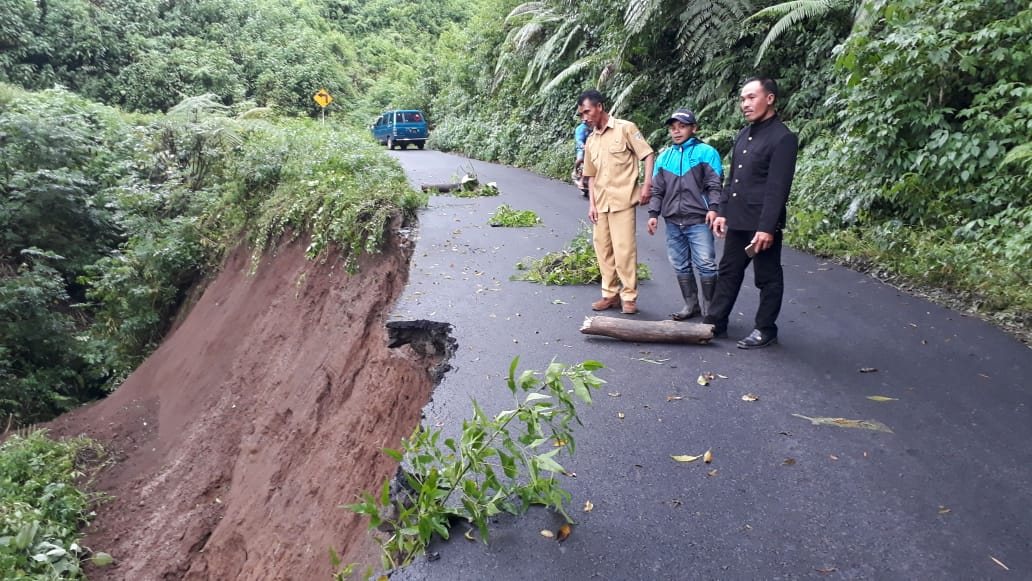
[752,213]
[686,185]
[580,137]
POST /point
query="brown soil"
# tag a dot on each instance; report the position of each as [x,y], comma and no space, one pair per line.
[237,441]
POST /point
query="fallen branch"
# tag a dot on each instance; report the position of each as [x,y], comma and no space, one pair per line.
[648,331]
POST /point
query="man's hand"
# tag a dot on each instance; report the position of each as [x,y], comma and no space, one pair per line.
[719,226]
[651,225]
[646,193]
[577,164]
[762,241]
[710,217]
[592,212]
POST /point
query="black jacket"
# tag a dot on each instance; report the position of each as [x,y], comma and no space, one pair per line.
[762,166]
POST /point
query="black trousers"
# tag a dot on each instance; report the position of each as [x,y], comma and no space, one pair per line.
[769,278]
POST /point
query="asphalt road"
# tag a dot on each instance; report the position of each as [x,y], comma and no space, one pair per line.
[946,495]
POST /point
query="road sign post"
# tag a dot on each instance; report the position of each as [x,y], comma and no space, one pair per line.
[323,98]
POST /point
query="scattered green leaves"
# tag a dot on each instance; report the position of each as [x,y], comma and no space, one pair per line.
[511,218]
[494,466]
[575,264]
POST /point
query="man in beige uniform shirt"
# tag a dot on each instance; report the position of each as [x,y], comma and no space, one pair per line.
[611,160]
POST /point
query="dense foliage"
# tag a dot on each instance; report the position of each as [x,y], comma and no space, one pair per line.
[41,508]
[109,219]
[914,116]
[148,55]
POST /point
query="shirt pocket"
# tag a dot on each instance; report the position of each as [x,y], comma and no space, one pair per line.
[620,156]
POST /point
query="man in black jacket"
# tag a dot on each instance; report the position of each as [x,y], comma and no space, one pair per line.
[752,213]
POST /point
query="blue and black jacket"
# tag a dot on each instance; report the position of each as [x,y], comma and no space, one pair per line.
[686,183]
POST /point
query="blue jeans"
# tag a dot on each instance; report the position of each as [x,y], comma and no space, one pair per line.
[691,245]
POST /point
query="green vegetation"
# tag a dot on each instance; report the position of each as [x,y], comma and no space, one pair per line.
[475,190]
[496,464]
[574,264]
[41,510]
[511,218]
[109,219]
[141,140]
[914,117]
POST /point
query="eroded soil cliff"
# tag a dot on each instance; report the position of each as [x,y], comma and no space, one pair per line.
[237,441]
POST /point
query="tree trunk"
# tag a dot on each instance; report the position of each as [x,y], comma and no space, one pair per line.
[648,331]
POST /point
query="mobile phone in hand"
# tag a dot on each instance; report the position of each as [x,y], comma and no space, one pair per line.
[750,250]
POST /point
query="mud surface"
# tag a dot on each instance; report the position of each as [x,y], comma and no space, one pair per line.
[237,441]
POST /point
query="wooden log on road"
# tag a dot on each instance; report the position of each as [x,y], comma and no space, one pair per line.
[440,188]
[468,182]
[648,331]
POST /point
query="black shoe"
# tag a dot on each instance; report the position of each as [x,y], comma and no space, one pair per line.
[757,340]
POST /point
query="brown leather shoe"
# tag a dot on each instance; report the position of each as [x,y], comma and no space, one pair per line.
[606,303]
[630,308]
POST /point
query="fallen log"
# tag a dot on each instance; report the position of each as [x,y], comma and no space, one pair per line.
[440,188]
[468,182]
[648,331]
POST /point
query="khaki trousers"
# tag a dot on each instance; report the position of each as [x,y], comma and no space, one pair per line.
[617,253]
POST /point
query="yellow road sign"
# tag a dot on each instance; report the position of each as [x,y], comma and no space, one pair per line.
[323,98]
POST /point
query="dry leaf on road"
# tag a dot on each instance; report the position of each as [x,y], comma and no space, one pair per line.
[1000,563]
[750,397]
[702,380]
[707,457]
[882,398]
[686,458]
[548,534]
[846,423]
[564,532]
[588,506]
[674,397]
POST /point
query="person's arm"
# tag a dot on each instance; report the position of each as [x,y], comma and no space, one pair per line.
[592,209]
[655,204]
[712,183]
[779,184]
[646,188]
[589,172]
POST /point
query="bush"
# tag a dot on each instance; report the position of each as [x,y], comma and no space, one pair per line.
[43,506]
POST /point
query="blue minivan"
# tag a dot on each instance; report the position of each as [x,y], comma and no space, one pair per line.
[400,128]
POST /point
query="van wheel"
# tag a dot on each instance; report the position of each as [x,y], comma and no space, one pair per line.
[420,144]
[390,143]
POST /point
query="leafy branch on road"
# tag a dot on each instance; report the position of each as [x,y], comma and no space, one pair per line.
[495,465]
[510,217]
[574,264]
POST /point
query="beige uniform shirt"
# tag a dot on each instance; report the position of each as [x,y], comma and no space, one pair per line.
[611,156]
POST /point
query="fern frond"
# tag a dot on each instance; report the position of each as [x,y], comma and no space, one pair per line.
[705,27]
[525,8]
[201,105]
[641,13]
[550,52]
[577,66]
[615,108]
[793,13]
[527,35]
[1020,155]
